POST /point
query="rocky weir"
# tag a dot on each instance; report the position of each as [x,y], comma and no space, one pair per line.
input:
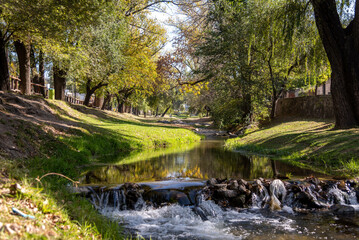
[231,209]
[173,199]
[307,195]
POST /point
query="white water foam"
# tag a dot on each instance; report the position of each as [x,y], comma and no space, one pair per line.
[177,222]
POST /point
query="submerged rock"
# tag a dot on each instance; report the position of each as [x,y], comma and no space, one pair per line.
[233,185]
[200,213]
[342,209]
[133,193]
[212,181]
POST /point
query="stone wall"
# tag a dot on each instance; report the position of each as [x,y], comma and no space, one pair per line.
[306,107]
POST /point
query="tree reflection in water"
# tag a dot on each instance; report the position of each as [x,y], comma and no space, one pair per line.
[202,161]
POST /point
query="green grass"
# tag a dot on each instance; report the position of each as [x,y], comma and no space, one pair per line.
[144,155]
[306,143]
[83,136]
[102,137]
[60,214]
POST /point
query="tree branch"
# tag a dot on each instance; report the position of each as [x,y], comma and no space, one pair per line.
[131,11]
[194,82]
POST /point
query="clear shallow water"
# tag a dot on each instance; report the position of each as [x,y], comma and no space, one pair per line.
[175,169]
[177,222]
[202,161]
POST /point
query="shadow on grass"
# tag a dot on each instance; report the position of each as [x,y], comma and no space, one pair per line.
[311,142]
[108,118]
[83,141]
[57,156]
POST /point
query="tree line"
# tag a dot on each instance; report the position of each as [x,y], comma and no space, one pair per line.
[243,54]
[232,58]
[107,49]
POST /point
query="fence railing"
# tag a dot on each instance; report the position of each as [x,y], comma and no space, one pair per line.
[15,83]
[73,100]
[36,89]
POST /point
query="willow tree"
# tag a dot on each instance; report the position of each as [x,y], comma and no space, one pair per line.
[294,56]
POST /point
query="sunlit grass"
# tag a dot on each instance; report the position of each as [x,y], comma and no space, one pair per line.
[89,136]
[308,143]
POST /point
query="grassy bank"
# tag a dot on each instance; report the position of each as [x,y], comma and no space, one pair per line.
[62,138]
[306,143]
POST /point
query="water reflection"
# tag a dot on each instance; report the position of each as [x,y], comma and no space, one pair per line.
[202,161]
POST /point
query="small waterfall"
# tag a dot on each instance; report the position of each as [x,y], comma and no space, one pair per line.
[222,209]
[226,194]
[260,195]
[277,194]
[337,196]
[140,204]
[136,197]
[353,198]
[122,198]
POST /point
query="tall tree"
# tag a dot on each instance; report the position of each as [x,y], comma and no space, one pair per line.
[59,82]
[4,63]
[23,54]
[342,47]
[42,72]
[99,55]
[47,22]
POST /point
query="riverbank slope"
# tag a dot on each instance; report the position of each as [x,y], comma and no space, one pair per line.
[313,144]
[40,137]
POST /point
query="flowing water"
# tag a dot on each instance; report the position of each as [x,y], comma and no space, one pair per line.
[169,202]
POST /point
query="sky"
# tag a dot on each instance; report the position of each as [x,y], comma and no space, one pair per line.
[163,17]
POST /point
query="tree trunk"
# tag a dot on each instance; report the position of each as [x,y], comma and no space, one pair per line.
[88,98]
[99,101]
[342,48]
[4,66]
[105,105]
[247,109]
[274,168]
[274,101]
[208,109]
[164,113]
[59,83]
[23,54]
[32,62]
[120,105]
[156,112]
[90,91]
[274,90]
[122,97]
[42,73]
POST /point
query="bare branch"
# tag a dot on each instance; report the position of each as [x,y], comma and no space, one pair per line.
[131,11]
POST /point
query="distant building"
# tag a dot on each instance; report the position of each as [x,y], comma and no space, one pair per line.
[323,89]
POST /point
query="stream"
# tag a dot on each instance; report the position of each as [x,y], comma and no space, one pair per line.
[187,194]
